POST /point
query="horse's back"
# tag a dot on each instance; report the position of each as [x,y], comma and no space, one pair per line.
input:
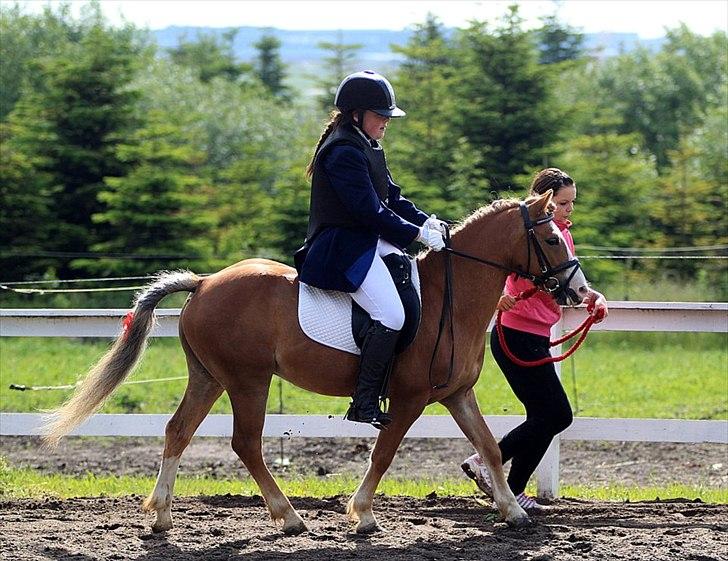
[255,266]
[252,284]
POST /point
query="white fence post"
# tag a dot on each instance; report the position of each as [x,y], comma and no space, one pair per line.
[547,472]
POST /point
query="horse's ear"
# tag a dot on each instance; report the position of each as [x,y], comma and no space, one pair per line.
[541,204]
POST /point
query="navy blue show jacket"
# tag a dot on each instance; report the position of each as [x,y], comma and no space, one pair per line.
[338,258]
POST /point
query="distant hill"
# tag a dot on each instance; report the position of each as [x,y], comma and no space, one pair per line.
[299,47]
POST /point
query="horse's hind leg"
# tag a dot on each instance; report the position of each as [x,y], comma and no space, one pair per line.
[201,393]
[248,417]
[359,507]
[464,409]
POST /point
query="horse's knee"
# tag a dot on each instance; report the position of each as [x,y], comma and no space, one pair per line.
[246,448]
[174,431]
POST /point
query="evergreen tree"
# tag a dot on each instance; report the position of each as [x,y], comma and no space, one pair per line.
[424,83]
[251,143]
[688,210]
[558,42]
[211,56]
[27,39]
[269,67]
[84,110]
[506,105]
[155,213]
[665,96]
[336,65]
[285,228]
[25,207]
[616,184]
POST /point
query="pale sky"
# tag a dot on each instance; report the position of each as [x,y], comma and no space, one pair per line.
[647,18]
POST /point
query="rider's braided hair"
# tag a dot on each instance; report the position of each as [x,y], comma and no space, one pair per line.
[550,178]
[337,118]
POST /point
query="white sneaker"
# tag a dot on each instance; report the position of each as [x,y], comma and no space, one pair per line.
[529,504]
[475,469]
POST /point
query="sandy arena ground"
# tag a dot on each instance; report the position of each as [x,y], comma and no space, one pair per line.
[238,528]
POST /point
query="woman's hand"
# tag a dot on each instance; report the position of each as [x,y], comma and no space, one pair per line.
[596,305]
[506,303]
[431,237]
[434,222]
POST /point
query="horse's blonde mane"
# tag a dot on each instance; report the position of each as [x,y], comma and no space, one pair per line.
[493,208]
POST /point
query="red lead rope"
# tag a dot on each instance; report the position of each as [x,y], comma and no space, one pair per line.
[584,327]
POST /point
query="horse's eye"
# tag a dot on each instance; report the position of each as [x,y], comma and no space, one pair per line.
[553,240]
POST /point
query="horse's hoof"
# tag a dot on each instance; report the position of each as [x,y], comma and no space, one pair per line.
[370,528]
[295,529]
[159,528]
[520,522]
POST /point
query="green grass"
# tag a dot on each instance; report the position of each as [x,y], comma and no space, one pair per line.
[715,495]
[646,375]
[634,286]
[29,483]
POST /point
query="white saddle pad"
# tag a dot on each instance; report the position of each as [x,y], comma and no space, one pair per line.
[325,315]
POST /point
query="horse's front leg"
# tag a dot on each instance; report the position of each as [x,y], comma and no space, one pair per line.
[359,507]
[464,409]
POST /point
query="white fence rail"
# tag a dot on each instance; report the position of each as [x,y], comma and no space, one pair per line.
[624,316]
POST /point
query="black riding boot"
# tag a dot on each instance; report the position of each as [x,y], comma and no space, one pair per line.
[377,354]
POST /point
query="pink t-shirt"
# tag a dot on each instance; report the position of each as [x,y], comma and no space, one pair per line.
[539,312]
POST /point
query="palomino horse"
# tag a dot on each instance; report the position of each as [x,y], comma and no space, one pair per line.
[240,326]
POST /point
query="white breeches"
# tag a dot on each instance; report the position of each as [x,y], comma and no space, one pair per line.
[378,294]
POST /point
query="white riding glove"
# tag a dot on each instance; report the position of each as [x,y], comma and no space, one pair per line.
[437,224]
[431,237]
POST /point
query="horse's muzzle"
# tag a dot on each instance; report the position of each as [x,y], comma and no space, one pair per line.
[568,297]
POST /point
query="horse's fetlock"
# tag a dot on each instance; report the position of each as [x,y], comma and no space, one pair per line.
[156,502]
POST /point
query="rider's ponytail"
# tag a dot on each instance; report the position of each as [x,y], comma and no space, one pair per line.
[337,118]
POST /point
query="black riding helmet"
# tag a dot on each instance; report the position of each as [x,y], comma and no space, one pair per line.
[367,90]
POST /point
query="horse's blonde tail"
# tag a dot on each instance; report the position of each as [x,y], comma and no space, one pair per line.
[107,374]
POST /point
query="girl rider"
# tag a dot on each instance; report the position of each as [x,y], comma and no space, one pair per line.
[357,216]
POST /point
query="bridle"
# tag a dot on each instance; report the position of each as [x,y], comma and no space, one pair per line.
[546,280]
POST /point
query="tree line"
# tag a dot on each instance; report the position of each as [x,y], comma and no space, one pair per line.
[121,158]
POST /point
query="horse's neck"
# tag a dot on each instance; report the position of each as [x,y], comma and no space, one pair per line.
[491,236]
[476,286]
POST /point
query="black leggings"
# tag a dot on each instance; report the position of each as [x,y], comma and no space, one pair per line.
[548,411]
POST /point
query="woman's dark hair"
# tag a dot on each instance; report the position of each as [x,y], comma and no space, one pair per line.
[336,119]
[550,178]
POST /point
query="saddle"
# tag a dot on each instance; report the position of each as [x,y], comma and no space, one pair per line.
[332,318]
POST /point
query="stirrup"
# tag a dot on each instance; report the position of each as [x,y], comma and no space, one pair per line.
[379,421]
